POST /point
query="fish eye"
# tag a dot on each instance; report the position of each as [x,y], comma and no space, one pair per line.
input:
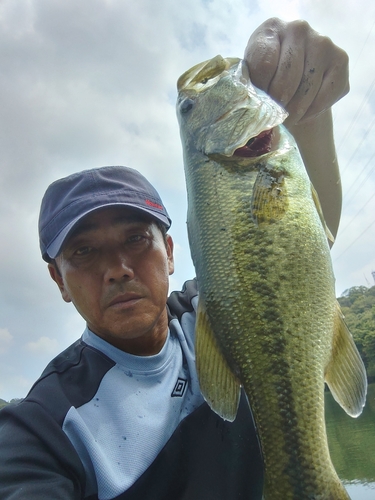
[186,105]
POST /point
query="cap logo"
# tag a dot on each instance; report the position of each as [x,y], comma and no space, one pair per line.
[153,205]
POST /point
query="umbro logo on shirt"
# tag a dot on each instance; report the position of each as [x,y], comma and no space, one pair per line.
[179,388]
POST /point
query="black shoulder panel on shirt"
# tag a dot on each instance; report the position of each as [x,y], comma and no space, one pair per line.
[37,460]
[180,302]
[206,458]
[71,379]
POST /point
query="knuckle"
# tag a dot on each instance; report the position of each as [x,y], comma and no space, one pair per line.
[343,57]
[274,22]
[301,26]
[272,27]
[300,30]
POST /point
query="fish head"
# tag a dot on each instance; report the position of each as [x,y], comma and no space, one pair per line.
[221,112]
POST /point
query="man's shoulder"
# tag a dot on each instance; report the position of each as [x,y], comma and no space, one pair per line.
[77,355]
[180,302]
[70,379]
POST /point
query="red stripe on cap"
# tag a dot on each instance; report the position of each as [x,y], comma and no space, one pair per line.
[154,205]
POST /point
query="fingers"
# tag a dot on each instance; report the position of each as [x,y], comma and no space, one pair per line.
[329,83]
[293,82]
[262,53]
[321,70]
[301,69]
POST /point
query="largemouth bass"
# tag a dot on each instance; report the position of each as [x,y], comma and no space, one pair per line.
[268,319]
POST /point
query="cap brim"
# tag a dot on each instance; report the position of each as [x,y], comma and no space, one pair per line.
[56,245]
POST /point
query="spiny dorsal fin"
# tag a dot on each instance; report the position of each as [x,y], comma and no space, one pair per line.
[318,207]
[219,386]
[346,374]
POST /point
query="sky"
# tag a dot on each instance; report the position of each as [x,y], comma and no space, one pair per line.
[92,83]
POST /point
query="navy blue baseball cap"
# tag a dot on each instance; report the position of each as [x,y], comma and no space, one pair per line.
[69,199]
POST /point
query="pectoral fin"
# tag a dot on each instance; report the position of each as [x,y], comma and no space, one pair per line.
[269,202]
[346,374]
[320,213]
[219,386]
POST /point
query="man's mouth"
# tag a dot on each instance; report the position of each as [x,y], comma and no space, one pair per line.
[124,299]
[257,146]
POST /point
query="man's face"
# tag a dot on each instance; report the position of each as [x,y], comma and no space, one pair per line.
[114,267]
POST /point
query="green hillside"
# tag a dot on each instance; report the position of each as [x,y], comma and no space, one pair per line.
[358,306]
[2,403]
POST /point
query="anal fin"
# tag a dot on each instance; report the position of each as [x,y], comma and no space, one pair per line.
[345,373]
[218,384]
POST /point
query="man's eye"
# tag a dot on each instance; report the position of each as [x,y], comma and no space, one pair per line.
[83,251]
[136,238]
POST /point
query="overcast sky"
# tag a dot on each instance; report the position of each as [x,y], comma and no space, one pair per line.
[91,83]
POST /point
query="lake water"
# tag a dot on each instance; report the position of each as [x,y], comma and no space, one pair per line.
[352,446]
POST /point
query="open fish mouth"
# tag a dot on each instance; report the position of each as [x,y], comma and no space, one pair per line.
[257,146]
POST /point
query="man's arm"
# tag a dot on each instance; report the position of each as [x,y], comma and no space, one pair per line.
[316,144]
[37,461]
[306,73]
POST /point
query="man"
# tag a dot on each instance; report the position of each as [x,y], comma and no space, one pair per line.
[119,414]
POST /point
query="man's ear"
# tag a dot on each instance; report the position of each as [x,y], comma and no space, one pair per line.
[169,243]
[57,278]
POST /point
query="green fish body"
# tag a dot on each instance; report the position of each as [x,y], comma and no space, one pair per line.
[268,319]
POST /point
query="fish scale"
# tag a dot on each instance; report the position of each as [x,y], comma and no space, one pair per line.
[267,316]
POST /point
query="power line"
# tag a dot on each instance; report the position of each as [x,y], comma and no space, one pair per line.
[347,132]
[359,211]
[350,190]
[364,45]
[368,93]
[352,243]
[360,144]
[369,90]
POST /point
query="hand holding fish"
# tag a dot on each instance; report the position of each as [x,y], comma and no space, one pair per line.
[301,69]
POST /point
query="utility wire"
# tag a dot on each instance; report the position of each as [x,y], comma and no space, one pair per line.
[354,217]
[363,46]
[369,90]
[352,243]
[350,189]
[352,123]
[360,144]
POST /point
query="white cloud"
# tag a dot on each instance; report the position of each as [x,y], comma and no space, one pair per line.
[42,346]
[5,340]
[288,11]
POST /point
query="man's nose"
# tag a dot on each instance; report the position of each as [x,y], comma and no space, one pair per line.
[118,266]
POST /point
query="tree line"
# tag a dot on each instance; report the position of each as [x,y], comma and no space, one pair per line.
[358,306]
